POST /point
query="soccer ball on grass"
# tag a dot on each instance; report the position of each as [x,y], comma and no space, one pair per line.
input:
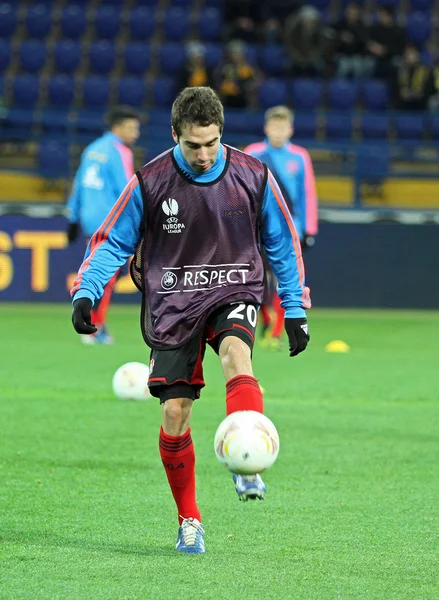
[130,382]
[246,442]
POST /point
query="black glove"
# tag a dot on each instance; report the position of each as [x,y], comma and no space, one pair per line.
[72,232]
[81,316]
[307,242]
[298,336]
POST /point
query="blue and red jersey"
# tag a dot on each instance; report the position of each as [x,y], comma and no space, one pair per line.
[292,167]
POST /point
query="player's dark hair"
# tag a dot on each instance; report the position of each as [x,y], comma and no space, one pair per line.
[117,114]
[197,106]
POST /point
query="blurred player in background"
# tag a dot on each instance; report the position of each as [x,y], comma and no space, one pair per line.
[195,217]
[105,169]
[292,168]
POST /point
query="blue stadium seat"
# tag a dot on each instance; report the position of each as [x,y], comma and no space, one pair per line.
[107,22]
[96,91]
[375,95]
[210,24]
[61,90]
[163,91]
[102,56]
[372,163]
[112,2]
[343,94]
[53,159]
[176,23]
[272,59]
[305,125]
[422,5]
[409,127]
[137,57]
[419,26]
[185,3]
[338,127]
[8,19]
[26,89]
[5,54]
[67,55]
[38,20]
[244,123]
[90,121]
[172,57]
[151,3]
[73,21]
[251,53]
[132,91]
[272,92]
[142,23]
[54,120]
[213,53]
[32,55]
[375,126]
[434,127]
[307,94]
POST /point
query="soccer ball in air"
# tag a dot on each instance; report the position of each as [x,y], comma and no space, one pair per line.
[246,442]
[130,382]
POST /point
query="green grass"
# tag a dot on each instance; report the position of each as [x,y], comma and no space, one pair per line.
[352,505]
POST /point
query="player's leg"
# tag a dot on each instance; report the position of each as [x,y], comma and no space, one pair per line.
[232,336]
[176,378]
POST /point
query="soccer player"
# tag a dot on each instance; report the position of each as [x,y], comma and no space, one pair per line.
[195,217]
[292,168]
[105,169]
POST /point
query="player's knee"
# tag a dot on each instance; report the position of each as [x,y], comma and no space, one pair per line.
[176,414]
[234,353]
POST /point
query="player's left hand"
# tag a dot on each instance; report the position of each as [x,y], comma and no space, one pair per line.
[307,242]
[298,336]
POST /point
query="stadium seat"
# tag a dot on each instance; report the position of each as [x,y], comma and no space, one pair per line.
[419,28]
[26,90]
[433,127]
[375,95]
[151,3]
[213,53]
[272,92]
[210,24]
[372,163]
[53,158]
[54,120]
[163,91]
[305,125]
[137,57]
[375,126]
[96,91]
[172,57]
[422,5]
[73,21]
[5,54]
[32,55]
[107,22]
[142,23]
[132,91]
[67,55]
[18,122]
[409,127]
[307,94]
[239,122]
[89,121]
[251,53]
[184,3]
[61,90]
[176,23]
[272,59]
[338,127]
[112,2]
[102,56]
[38,20]
[8,19]
[343,94]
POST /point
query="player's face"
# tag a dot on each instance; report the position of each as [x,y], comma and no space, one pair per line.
[278,132]
[199,145]
[128,131]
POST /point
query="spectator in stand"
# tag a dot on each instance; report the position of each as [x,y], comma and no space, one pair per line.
[236,78]
[273,15]
[242,18]
[386,42]
[350,44]
[308,42]
[195,72]
[413,82]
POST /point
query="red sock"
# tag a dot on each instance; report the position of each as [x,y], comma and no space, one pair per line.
[243,393]
[178,458]
[280,316]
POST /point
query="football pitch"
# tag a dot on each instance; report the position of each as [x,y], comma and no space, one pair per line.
[352,506]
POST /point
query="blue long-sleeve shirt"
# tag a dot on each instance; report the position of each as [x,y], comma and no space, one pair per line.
[292,167]
[119,237]
[106,167]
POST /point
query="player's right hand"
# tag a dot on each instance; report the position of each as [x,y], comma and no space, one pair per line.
[81,316]
[72,232]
